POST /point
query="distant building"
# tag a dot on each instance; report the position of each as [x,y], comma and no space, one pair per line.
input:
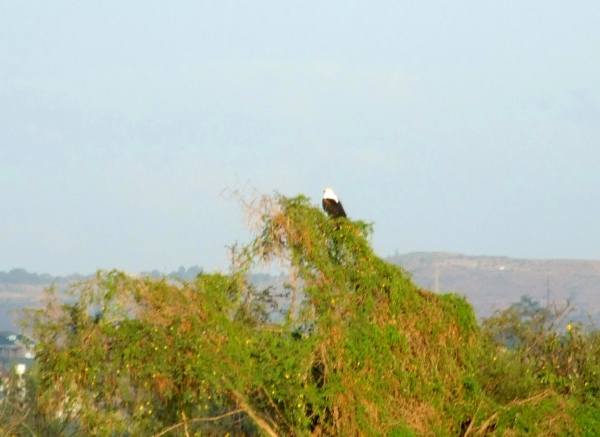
[14,350]
[13,346]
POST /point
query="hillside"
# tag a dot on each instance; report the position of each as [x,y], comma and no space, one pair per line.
[22,289]
[493,282]
[488,282]
[15,296]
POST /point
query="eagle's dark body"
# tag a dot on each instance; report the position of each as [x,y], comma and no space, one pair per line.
[331,204]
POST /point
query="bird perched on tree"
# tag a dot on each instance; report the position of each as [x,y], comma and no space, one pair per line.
[331,204]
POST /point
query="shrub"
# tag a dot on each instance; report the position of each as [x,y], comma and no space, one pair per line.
[360,350]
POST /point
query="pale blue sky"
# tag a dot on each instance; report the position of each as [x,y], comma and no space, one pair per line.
[462,126]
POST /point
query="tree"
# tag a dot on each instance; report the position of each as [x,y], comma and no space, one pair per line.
[360,350]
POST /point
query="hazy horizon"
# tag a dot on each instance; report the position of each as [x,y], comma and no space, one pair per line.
[462,127]
[276,272]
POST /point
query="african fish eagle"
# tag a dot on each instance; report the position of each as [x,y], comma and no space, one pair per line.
[332,206]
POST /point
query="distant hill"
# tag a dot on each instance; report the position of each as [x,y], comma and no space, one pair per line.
[20,288]
[22,276]
[488,282]
[494,282]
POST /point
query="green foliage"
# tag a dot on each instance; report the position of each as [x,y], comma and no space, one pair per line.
[534,348]
[543,368]
[361,350]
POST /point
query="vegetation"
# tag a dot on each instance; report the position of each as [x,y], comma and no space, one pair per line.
[360,351]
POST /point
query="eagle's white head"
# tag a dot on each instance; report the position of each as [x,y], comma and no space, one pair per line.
[329,194]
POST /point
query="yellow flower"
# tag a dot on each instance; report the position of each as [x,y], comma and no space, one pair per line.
[569,327]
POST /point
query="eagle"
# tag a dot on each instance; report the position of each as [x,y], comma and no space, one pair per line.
[332,206]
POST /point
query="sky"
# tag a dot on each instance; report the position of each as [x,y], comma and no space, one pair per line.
[460,126]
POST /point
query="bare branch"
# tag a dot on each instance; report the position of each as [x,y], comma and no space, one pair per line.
[199,419]
[260,422]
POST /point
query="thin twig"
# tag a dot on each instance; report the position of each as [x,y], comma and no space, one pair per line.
[185,424]
[273,405]
[542,395]
[294,284]
[487,424]
[260,421]
[198,419]
[472,421]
